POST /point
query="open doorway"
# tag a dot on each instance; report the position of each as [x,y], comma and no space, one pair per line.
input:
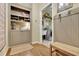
[47,24]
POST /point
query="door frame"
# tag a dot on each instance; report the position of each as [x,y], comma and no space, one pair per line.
[41,20]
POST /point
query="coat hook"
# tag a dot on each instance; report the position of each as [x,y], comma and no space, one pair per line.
[60,17]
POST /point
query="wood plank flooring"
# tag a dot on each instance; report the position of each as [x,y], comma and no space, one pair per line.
[37,50]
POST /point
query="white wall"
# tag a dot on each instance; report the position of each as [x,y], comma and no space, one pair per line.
[35,23]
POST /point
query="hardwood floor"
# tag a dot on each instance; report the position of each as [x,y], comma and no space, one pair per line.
[8,52]
[41,50]
[20,48]
[37,50]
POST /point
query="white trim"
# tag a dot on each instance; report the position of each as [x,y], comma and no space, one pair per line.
[35,42]
[41,20]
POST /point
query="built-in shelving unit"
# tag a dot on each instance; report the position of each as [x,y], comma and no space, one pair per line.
[19,17]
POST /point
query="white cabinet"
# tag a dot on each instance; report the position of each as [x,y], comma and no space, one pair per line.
[20,26]
[18,37]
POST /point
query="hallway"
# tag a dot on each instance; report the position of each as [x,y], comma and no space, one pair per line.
[39,29]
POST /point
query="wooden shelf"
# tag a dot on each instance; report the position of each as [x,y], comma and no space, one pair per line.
[65,49]
[19,9]
[18,17]
[14,17]
[16,21]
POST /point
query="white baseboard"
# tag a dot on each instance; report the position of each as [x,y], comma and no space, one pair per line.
[35,42]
